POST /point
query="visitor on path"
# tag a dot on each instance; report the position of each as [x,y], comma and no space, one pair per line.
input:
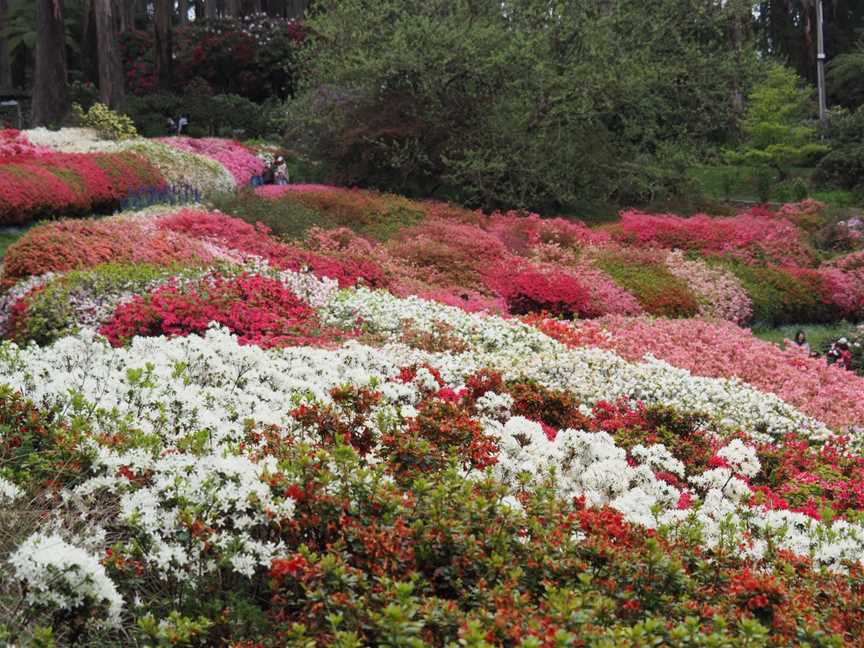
[801,341]
[841,354]
[281,171]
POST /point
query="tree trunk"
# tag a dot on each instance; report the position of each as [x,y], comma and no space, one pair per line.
[183,8]
[125,14]
[163,43]
[294,8]
[232,8]
[50,94]
[210,9]
[110,66]
[5,60]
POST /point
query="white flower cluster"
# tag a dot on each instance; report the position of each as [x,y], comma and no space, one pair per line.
[224,497]
[63,576]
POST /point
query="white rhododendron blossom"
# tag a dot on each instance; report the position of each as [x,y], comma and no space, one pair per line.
[9,492]
[740,457]
[61,575]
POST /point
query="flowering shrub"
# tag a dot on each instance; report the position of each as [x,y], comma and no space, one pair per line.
[723,350]
[659,291]
[520,233]
[15,145]
[77,244]
[748,236]
[259,310]
[239,160]
[536,289]
[56,184]
[719,293]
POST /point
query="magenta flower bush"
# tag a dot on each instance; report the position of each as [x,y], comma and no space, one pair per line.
[240,161]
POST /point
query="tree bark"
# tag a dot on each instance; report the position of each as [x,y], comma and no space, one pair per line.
[5,60]
[125,14]
[210,9]
[163,43]
[50,92]
[183,9]
[232,8]
[111,90]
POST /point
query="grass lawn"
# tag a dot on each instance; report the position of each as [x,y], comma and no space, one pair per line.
[816,333]
[7,238]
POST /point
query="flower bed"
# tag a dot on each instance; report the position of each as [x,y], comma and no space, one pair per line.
[218,430]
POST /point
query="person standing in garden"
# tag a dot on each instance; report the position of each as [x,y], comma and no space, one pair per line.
[801,341]
[281,171]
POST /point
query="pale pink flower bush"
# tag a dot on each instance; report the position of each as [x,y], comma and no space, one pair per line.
[718,349]
[719,291]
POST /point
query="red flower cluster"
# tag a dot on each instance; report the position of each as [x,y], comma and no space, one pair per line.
[751,236]
[62,183]
[259,310]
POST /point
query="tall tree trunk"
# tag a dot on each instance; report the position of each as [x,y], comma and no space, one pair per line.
[125,13]
[50,93]
[163,43]
[210,8]
[183,9]
[5,59]
[232,8]
[294,8]
[110,66]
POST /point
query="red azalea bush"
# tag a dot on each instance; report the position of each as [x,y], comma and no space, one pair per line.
[534,289]
[65,183]
[77,244]
[259,310]
[748,236]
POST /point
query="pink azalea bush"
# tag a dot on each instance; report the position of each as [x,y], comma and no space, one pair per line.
[719,293]
[240,161]
[722,350]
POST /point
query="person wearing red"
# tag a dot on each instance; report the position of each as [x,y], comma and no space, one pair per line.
[841,354]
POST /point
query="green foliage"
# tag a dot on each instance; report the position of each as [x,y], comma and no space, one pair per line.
[538,107]
[843,167]
[109,124]
[776,128]
[845,77]
[229,115]
[50,312]
[778,297]
[287,218]
[658,291]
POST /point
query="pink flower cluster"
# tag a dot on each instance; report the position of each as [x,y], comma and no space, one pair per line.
[723,350]
[240,161]
[14,145]
[720,293]
[748,236]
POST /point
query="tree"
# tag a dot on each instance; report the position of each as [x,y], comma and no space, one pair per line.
[846,78]
[50,96]
[778,125]
[164,9]
[111,80]
[5,59]
[521,103]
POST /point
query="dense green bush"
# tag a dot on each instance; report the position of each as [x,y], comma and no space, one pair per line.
[779,297]
[287,218]
[542,110]
[844,166]
[229,115]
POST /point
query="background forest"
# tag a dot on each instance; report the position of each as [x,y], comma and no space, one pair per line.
[519,104]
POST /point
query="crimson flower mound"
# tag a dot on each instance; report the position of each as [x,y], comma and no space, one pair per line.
[259,310]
